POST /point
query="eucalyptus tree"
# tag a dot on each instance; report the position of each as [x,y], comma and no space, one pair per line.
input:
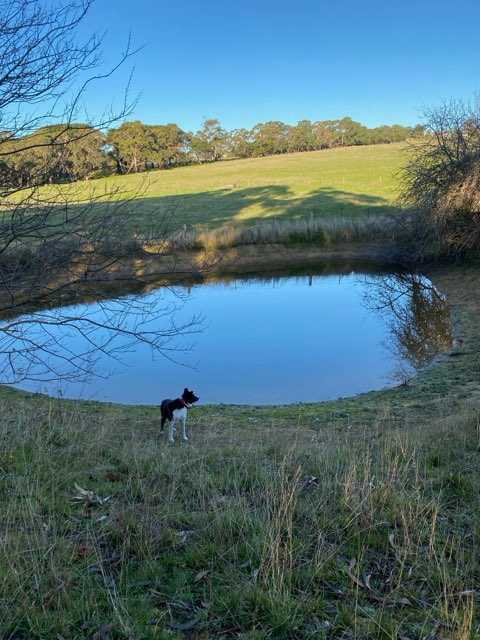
[270,138]
[302,137]
[209,143]
[241,143]
[132,145]
[171,145]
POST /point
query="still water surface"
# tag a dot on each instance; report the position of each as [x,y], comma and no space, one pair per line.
[272,341]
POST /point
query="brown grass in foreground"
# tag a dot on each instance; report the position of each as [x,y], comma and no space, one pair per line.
[256,529]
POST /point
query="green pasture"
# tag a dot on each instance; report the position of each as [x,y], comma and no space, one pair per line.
[336,182]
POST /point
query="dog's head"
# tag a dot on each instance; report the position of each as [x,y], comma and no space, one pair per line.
[189,397]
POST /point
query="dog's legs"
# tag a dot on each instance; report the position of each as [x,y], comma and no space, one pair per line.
[184,425]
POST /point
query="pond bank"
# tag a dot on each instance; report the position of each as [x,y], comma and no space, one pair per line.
[254,258]
[140,273]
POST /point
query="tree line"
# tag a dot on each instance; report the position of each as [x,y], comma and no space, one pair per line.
[59,153]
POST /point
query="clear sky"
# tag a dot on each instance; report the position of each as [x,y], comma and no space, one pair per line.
[246,61]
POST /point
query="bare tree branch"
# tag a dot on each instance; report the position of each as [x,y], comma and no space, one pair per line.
[441,182]
[55,241]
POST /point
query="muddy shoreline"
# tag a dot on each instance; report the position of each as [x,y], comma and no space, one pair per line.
[254,258]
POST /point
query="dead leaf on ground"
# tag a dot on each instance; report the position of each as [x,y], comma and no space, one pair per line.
[89,497]
[309,482]
[184,535]
[201,575]
[113,476]
[353,577]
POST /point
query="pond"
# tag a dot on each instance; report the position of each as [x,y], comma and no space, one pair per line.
[261,340]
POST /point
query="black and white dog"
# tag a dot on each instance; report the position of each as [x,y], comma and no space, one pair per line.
[175,410]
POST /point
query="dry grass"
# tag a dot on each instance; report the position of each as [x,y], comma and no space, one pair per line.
[254,530]
[321,231]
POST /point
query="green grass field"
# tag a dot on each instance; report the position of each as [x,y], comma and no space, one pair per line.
[337,182]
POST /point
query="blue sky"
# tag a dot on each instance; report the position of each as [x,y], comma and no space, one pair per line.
[245,62]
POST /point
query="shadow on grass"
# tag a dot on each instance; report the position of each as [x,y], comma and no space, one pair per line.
[211,209]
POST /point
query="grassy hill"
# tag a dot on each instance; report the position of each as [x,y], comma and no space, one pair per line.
[348,182]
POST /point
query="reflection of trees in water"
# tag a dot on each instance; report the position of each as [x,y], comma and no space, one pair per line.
[417,313]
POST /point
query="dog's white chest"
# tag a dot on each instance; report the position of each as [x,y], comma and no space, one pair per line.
[180,414]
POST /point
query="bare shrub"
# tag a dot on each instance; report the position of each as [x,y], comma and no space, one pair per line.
[442,178]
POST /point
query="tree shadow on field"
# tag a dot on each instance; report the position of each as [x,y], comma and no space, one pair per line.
[211,209]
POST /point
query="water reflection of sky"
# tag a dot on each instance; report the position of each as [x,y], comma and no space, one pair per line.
[283,340]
